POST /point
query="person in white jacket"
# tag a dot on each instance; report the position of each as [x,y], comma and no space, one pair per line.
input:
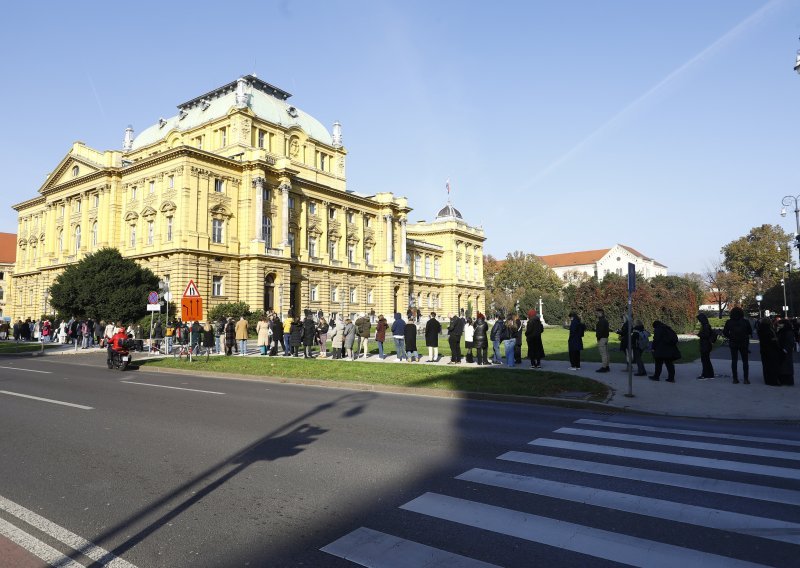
[469,336]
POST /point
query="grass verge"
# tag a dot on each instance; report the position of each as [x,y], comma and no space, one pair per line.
[408,375]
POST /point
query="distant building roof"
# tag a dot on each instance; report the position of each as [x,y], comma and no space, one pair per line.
[573,258]
[8,248]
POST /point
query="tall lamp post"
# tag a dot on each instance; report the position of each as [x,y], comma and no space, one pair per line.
[788,201]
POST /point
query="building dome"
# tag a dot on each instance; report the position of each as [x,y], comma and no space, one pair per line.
[264,100]
[448,211]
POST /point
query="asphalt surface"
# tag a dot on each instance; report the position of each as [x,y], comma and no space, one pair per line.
[246,473]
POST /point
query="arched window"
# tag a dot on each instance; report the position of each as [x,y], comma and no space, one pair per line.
[60,240]
[77,238]
[94,234]
[75,171]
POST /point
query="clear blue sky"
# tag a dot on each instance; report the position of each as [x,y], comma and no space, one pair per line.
[669,126]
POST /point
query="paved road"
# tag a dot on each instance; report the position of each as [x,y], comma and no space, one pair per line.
[163,470]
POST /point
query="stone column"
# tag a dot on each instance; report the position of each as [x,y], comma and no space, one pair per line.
[258,184]
[403,255]
[285,186]
[389,246]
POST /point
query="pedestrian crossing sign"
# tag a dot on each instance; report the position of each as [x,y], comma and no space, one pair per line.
[191,290]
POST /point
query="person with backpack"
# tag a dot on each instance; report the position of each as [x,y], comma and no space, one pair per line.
[738,331]
[380,334]
[454,332]
[707,339]
[399,336]
[665,350]
[533,335]
[640,342]
[219,334]
[479,339]
[575,341]
[410,336]
[494,335]
[363,327]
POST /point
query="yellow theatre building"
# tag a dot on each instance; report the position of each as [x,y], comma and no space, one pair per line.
[245,194]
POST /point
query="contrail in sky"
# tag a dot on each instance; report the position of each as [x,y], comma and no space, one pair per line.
[728,37]
[97,97]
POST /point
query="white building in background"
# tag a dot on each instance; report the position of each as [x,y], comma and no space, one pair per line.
[575,266]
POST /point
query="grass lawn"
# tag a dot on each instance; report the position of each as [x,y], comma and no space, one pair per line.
[469,379]
[14,347]
[554,340]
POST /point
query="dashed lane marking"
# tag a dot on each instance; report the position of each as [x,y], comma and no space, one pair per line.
[28,370]
[50,400]
[168,387]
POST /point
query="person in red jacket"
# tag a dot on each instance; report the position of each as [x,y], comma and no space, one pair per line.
[116,343]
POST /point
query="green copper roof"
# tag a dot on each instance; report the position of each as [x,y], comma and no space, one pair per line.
[263,105]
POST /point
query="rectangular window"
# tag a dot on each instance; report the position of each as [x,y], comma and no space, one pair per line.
[78,204]
[322,161]
[216,231]
[171,182]
[133,235]
[265,194]
[331,213]
[219,185]
[312,208]
[427,266]
[332,249]
[61,209]
[152,187]
[292,243]
[133,193]
[266,229]
[2,275]
[351,217]
[261,138]
[417,265]
[458,269]
[150,232]
[312,247]
[370,296]
[96,201]
[223,137]
[351,253]
[169,228]
[367,222]
[368,255]
[436,268]
[314,293]
[334,294]
[291,202]
[353,295]
[198,141]
[216,286]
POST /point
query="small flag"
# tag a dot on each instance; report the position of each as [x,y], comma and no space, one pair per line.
[447,185]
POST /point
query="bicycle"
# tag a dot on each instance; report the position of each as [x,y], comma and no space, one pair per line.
[182,351]
[201,353]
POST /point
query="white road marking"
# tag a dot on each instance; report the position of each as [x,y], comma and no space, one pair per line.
[374,549]
[77,543]
[28,370]
[568,536]
[744,467]
[689,432]
[707,484]
[167,387]
[35,546]
[51,401]
[741,450]
[750,525]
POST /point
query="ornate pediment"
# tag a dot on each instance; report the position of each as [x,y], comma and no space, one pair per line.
[148,212]
[131,216]
[168,207]
[220,212]
[369,237]
[70,168]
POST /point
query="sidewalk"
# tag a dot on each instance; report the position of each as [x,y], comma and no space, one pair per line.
[711,398]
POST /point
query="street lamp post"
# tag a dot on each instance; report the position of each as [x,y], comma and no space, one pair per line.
[788,201]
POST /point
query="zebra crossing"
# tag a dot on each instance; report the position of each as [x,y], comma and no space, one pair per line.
[600,491]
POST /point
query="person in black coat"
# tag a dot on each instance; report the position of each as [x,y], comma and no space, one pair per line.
[771,352]
[296,336]
[276,326]
[432,331]
[575,341]
[787,345]
[410,335]
[665,350]
[480,339]
[533,335]
[495,337]
[454,332]
[230,336]
[738,331]
[309,334]
[706,345]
